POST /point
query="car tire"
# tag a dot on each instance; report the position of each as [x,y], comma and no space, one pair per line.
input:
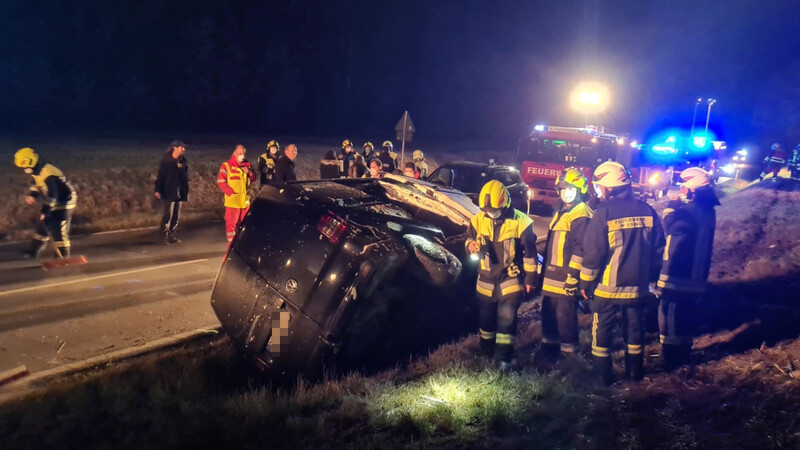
[432,262]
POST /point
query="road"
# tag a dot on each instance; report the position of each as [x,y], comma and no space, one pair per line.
[133,290]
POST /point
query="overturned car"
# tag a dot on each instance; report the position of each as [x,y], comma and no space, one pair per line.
[347,273]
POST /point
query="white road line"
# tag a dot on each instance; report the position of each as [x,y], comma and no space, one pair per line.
[98,277]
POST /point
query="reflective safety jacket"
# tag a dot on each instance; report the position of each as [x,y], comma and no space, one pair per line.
[50,184]
[234,184]
[690,240]
[422,168]
[564,251]
[266,168]
[622,249]
[507,250]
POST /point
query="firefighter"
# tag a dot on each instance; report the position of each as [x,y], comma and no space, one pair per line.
[794,163]
[234,178]
[369,153]
[388,157]
[419,161]
[266,162]
[503,239]
[689,224]
[58,199]
[622,250]
[347,157]
[562,265]
[774,162]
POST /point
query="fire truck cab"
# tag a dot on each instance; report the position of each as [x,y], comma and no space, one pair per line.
[548,150]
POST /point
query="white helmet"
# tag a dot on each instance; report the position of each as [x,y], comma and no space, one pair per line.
[695,177]
[611,174]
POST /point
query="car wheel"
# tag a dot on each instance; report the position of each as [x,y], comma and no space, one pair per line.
[434,263]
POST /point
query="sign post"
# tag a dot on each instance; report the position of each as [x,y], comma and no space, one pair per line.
[405,133]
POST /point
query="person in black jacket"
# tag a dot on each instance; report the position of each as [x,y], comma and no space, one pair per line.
[686,263]
[172,188]
[622,250]
[329,166]
[284,168]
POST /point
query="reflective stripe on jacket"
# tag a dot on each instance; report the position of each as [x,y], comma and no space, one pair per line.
[564,251]
[237,183]
[622,249]
[690,240]
[51,184]
[508,249]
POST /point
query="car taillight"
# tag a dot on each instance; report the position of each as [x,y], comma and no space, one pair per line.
[332,227]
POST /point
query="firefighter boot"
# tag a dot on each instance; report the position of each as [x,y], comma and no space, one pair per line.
[171,239]
[602,369]
[487,348]
[64,251]
[634,367]
[551,352]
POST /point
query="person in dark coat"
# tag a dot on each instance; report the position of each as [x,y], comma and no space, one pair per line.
[329,166]
[284,168]
[172,188]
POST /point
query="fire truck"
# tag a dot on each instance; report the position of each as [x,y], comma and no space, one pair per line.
[548,150]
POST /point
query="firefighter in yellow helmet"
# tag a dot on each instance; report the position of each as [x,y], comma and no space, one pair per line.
[58,199]
[562,265]
[502,238]
[419,162]
[267,161]
[347,157]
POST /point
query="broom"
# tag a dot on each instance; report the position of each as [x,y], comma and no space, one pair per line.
[60,261]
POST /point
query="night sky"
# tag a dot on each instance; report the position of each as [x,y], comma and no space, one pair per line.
[464,69]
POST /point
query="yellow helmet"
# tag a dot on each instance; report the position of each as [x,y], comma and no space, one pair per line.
[494,196]
[572,177]
[368,144]
[273,143]
[417,155]
[387,144]
[611,174]
[25,158]
[346,142]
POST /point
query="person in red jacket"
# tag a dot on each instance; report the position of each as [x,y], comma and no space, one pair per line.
[235,176]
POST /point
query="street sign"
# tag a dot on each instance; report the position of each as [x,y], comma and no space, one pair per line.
[405,133]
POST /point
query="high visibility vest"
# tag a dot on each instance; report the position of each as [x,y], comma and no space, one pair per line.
[40,185]
[239,182]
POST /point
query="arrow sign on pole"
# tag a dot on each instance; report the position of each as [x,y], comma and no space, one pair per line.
[405,133]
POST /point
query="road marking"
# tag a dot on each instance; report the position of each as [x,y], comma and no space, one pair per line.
[98,277]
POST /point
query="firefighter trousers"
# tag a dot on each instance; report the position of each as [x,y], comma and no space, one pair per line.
[560,322]
[604,318]
[498,323]
[57,223]
[676,312]
[233,218]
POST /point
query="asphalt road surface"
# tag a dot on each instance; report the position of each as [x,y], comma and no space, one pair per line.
[133,290]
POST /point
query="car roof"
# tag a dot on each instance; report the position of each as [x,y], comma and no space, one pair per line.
[475,165]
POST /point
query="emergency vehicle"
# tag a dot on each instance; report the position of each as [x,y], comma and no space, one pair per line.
[548,150]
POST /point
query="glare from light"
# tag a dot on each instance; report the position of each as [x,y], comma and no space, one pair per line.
[735,158]
[728,169]
[539,128]
[633,144]
[474,257]
[620,141]
[590,98]
[594,140]
[742,152]
[654,178]
[699,141]
[671,139]
[333,277]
